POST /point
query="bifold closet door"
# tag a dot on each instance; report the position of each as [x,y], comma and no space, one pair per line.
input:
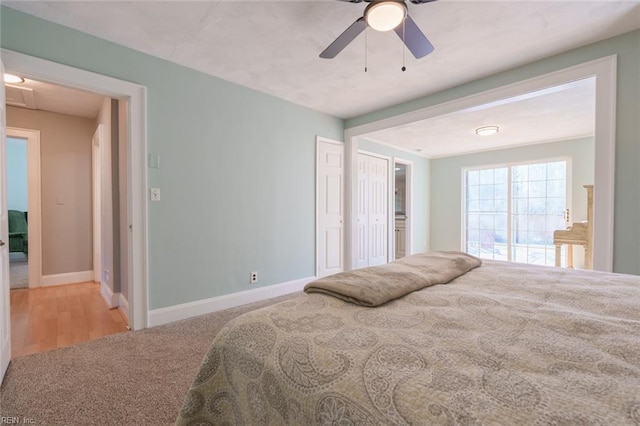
[373,181]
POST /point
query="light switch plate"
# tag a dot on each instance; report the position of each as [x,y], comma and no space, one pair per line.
[155,194]
[154,161]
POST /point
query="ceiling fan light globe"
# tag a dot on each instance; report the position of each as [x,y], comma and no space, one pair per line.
[385,15]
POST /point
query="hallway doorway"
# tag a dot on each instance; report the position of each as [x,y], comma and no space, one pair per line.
[53,302]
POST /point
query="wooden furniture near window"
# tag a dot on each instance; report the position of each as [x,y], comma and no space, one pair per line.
[580,233]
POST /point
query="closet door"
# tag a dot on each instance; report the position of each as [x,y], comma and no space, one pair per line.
[373,181]
[363,212]
[378,210]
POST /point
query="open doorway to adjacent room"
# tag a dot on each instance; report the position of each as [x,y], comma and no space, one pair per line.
[402,207]
[17,205]
[513,169]
[63,182]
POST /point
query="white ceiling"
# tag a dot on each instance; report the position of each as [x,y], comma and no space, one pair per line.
[562,112]
[273,47]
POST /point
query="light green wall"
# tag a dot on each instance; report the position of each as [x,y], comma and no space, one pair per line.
[237,167]
[627,176]
[446,182]
[421,171]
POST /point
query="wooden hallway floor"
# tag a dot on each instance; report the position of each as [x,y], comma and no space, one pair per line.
[53,317]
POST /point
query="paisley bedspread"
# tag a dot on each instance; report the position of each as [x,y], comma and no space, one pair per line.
[504,344]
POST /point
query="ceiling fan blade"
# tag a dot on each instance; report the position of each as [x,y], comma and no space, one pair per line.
[344,39]
[415,40]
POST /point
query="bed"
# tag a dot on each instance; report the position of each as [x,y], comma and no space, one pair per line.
[501,344]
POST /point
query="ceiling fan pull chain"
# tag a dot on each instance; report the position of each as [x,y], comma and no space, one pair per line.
[365,49]
[403,44]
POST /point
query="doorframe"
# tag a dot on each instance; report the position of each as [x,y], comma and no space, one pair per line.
[408,203]
[34,203]
[136,96]
[604,69]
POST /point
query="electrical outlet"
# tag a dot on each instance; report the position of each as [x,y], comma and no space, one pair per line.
[253,277]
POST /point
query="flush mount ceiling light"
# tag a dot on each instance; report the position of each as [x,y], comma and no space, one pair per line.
[487,130]
[12,78]
[385,15]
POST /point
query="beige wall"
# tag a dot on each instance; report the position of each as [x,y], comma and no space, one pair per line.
[65,152]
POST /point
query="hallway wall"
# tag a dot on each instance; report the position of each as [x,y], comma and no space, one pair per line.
[65,151]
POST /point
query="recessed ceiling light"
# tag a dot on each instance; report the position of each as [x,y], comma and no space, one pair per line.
[12,78]
[487,130]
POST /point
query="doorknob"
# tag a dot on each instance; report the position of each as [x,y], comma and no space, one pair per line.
[1,243]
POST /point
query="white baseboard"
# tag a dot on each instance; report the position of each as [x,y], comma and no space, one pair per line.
[123,304]
[68,278]
[205,306]
[112,299]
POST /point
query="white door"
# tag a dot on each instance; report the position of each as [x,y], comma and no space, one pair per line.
[5,306]
[373,184]
[362,259]
[378,210]
[330,207]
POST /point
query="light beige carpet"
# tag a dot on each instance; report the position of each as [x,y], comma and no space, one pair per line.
[18,270]
[129,378]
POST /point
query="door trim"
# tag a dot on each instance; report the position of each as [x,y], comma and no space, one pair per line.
[34,201]
[604,69]
[408,249]
[136,96]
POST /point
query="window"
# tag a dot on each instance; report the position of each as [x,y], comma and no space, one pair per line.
[510,212]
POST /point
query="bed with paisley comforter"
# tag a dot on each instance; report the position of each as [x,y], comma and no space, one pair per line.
[501,344]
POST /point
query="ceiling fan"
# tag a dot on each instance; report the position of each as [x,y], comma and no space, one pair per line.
[384,15]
